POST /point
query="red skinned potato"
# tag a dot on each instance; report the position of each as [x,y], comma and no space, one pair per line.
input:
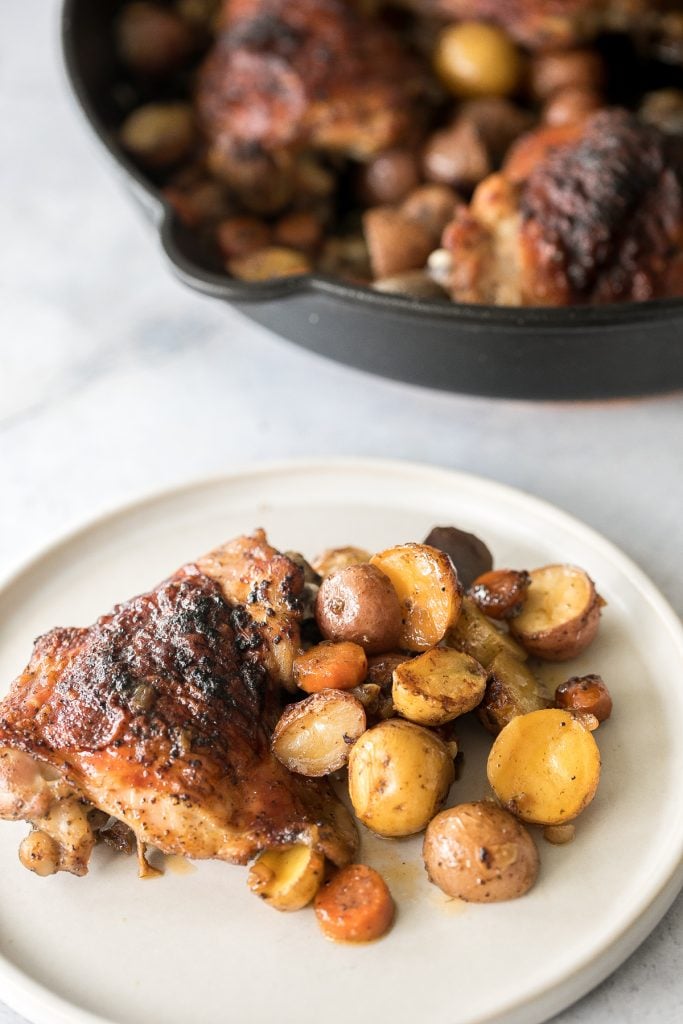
[432,206]
[359,604]
[467,552]
[389,177]
[480,853]
[395,242]
[560,615]
[152,39]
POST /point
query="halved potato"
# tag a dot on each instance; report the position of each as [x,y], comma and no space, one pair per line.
[437,686]
[473,633]
[334,559]
[511,690]
[544,767]
[399,775]
[288,878]
[560,615]
[314,736]
[428,591]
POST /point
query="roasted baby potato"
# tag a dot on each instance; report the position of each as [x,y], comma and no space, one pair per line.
[428,592]
[359,604]
[544,767]
[314,736]
[475,634]
[159,134]
[432,206]
[334,559]
[500,593]
[468,553]
[271,262]
[560,615]
[329,666]
[438,686]
[355,906]
[480,853]
[399,775]
[475,58]
[511,690]
[287,879]
[585,694]
[153,40]
[395,242]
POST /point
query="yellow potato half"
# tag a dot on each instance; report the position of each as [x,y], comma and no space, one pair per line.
[560,615]
[438,686]
[289,878]
[399,775]
[428,592]
[544,767]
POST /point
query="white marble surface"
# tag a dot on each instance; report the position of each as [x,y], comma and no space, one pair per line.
[115,380]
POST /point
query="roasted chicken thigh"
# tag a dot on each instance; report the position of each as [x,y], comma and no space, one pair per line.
[590,212]
[160,715]
[283,78]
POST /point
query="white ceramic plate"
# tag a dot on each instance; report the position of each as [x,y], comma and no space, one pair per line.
[198,947]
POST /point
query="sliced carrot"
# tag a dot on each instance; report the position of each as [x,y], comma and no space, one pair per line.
[330,666]
[355,906]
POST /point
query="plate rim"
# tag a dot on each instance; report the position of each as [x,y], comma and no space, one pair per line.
[39,1003]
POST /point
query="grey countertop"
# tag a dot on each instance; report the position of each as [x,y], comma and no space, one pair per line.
[115,380]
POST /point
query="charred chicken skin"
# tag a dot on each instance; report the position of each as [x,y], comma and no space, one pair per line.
[590,212]
[160,716]
[284,77]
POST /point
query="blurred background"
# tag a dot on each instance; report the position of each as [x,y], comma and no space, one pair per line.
[116,381]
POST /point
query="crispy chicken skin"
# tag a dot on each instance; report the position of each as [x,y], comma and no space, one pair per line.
[586,213]
[555,23]
[314,74]
[160,715]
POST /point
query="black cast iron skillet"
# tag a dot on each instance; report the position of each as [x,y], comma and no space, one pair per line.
[596,352]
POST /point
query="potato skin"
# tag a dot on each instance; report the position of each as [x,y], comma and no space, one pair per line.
[566,639]
[480,853]
[467,552]
[333,559]
[359,604]
[313,736]
[399,775]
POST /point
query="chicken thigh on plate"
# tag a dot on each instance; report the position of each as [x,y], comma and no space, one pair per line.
[160,715]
